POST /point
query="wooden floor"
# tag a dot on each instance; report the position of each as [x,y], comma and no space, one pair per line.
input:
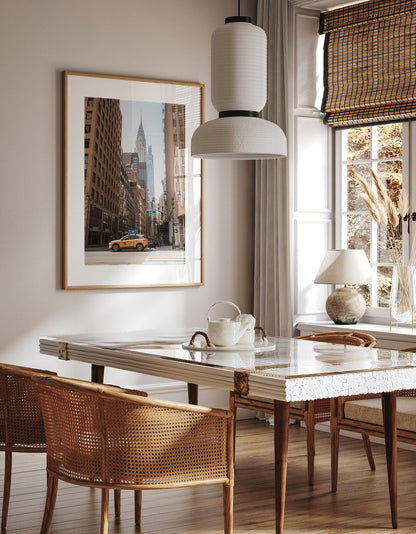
[361,505]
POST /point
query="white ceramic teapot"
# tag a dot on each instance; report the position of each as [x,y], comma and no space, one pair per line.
[226,332]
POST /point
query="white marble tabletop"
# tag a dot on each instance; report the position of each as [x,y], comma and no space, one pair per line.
[295,370]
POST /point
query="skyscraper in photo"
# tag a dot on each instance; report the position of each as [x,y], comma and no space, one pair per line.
[150,173]
[102,164]
[141,150]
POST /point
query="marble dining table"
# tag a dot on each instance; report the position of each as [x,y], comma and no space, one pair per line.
[279,369]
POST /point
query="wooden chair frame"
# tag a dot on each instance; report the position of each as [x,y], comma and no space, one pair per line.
[21,424]
[310,412]
[193,444]
[340,422]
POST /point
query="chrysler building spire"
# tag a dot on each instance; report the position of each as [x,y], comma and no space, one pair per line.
[141,148]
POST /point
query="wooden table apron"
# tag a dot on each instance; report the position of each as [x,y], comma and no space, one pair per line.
[149,360]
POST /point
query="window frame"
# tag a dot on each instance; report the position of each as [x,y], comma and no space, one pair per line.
[409,167]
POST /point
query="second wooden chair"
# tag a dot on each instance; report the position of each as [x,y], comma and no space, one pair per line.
[364,415]
[21,424]
[310,412]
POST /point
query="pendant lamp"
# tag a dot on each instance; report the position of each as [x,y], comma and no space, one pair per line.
[239,93]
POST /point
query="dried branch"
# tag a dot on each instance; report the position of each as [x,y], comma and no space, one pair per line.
[381,188]
[372,207]
[392,213]
[366,187]
[403,204]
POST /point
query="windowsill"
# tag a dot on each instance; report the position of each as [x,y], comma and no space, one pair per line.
[396,337]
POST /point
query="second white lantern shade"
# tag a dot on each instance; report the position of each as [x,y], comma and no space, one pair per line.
[238,138]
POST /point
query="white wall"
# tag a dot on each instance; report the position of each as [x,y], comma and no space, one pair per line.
[162,39]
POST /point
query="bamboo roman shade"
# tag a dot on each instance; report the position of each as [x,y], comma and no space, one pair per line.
[370,63]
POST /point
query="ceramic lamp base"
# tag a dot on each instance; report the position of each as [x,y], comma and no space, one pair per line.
[345,306]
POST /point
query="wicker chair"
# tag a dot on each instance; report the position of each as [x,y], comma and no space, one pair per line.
[363,414]
[311,412]
[105,437]
[21,425]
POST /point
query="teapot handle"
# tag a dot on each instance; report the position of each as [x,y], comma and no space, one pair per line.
[203,334]
[223,302]
[263,332]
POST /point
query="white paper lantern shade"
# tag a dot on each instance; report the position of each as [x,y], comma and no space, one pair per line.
[239,67]
[238,138]
[239,93]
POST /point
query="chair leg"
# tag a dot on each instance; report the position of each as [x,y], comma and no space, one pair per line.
[310,437]
[228,496]
[6,490]
[137,507]
[310,441]
[52,484]
[334,458]
[193,393]
[233,408]
[368,450]
[104,510]
[117,503]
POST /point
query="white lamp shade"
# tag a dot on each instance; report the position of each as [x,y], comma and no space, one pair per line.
[239,138]
[344,267]
[239,67]
[239,93]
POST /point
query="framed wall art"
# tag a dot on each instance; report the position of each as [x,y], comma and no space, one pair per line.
[133,196]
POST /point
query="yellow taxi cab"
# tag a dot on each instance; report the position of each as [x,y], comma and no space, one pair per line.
[130,241]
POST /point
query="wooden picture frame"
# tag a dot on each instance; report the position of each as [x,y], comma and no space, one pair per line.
[133,196]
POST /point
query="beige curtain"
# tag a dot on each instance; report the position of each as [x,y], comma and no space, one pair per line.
[272,287]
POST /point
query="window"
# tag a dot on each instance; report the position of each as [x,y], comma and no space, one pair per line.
[384,148]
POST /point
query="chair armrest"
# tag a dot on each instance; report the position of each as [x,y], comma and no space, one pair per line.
[132,396]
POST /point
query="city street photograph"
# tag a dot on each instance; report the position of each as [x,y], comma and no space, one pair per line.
[133,193]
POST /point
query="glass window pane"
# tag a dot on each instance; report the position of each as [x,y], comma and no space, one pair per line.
[384,275]
[389,140]
[390,248]
[391,172]
[358,143]
[364,290]
[355,203]
[359,231]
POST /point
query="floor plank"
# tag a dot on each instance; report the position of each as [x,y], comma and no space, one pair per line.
[361,505]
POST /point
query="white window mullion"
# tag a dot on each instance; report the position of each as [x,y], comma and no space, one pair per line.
[374,227]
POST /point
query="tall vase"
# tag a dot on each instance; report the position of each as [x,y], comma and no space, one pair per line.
[403,294]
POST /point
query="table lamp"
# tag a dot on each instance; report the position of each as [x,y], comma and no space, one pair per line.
[345,305]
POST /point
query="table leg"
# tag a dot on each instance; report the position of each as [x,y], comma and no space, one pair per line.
[390,433]
[97,373]
[281,439]
[97,376]
[193,393]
